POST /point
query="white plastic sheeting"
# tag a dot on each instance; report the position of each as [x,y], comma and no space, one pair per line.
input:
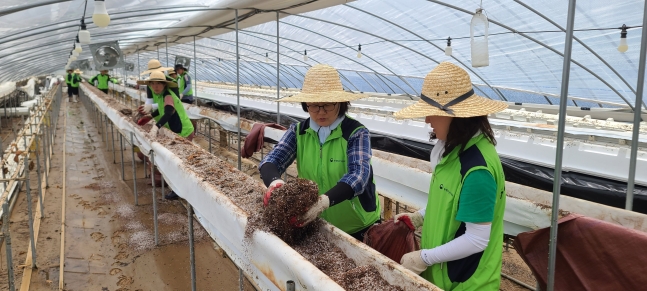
[6,88]
[268,260]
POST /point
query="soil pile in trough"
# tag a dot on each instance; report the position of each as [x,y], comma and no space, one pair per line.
[126,111]
[286,205]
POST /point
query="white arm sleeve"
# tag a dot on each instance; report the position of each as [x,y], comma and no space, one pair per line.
[474,240]
[150,101]
[422,211]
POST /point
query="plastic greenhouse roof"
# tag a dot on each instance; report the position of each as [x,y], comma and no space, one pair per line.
[401,42]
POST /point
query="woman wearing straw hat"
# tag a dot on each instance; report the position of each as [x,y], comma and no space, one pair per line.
[155,66]
[74,84]
[170,113]
[462,225]
[330,149]
[68,82]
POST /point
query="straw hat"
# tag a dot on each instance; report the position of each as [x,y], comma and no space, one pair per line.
[77,71]
[322,84]
[101,71]
[171,72]
[157,76]
[447,91]
[153,66]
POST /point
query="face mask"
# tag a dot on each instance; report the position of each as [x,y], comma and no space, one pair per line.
[437,153]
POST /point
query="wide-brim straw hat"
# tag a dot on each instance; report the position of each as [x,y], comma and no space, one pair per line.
[157,76]
[447,91]
[104,71]
[171,72]
[77,71]
[322,84]
[154,66]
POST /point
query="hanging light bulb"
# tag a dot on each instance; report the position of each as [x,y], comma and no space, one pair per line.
[305,55]
[77,46]
[623,47]
[359,51]
[478,39]
[84,34]
[100,16]
[219,60]
[267,58]
[448,49]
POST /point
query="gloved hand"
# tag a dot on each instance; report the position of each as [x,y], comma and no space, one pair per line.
[154,131]
[144,120]
[322,204]
[412,220]
[145,109]
[273,186]
[413,261]
[181,96]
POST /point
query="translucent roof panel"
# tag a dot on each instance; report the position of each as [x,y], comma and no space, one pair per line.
[401,41]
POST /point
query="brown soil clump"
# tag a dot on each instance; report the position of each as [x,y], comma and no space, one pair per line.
[287,203]
[126,111]
[147,127]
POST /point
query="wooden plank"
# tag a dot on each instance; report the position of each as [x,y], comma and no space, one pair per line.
[388,208]
[62,254]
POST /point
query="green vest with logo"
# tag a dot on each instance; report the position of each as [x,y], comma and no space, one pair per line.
[103,81]
[181,84]
[326,164]
[187,126]
[480,271]
[76,80]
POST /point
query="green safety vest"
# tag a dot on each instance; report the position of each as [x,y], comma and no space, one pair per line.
[187,126]
[103,81]
[326,164]
[68,79]
[181,84]
[76,80]
[480,271]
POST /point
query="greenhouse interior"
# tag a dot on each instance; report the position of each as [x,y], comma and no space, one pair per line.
[323,145]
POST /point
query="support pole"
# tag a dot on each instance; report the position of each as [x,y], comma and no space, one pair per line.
[195,70]
[112,138]
[166,46]
[29,211]
[557,183]
[138,69]
[40,182]
[637,110]
[238,90]
[154,197]
[121,145]
[191,246]
[132,151]
[209,134]
[7,239]
[278,75]
[290,286]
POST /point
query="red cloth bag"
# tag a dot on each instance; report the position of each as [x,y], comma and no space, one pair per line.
[392,240]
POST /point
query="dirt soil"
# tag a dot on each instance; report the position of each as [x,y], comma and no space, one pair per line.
[109,241]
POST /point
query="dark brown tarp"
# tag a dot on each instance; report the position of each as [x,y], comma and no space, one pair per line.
[392,240]
[591,255]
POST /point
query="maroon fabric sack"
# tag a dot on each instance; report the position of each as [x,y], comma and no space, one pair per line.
[255,138]
[392,240]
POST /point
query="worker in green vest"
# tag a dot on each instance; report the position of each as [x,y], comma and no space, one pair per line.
[331,149]
[184,83]
[462,225]
[170,114]
[171,73]
[68,82]
[75,81]
[103,78]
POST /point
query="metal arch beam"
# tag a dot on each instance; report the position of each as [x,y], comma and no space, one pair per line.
[113,18]
[246,75]
[324,36]
[340,55]
[29,6]
[434,45]
[252,75]
[366,81]
[26,68]
[226,76]
[579,41]
[50,54]
[239,42]
[306,64]
[221,67]
[22,58]
[545,46]
[241,48]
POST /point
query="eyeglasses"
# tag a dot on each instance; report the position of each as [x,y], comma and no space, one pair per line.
[326,107]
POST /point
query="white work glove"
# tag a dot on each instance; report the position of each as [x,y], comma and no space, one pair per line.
[154,130]
[412,220]
[181,95]
[273,186]
[145,109]
[413,261]
[322,204]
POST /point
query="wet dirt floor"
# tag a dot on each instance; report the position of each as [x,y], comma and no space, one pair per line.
[109,241]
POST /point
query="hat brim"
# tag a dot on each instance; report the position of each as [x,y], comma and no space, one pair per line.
[475,105]
[332,96]
[161,69]
[147,82]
